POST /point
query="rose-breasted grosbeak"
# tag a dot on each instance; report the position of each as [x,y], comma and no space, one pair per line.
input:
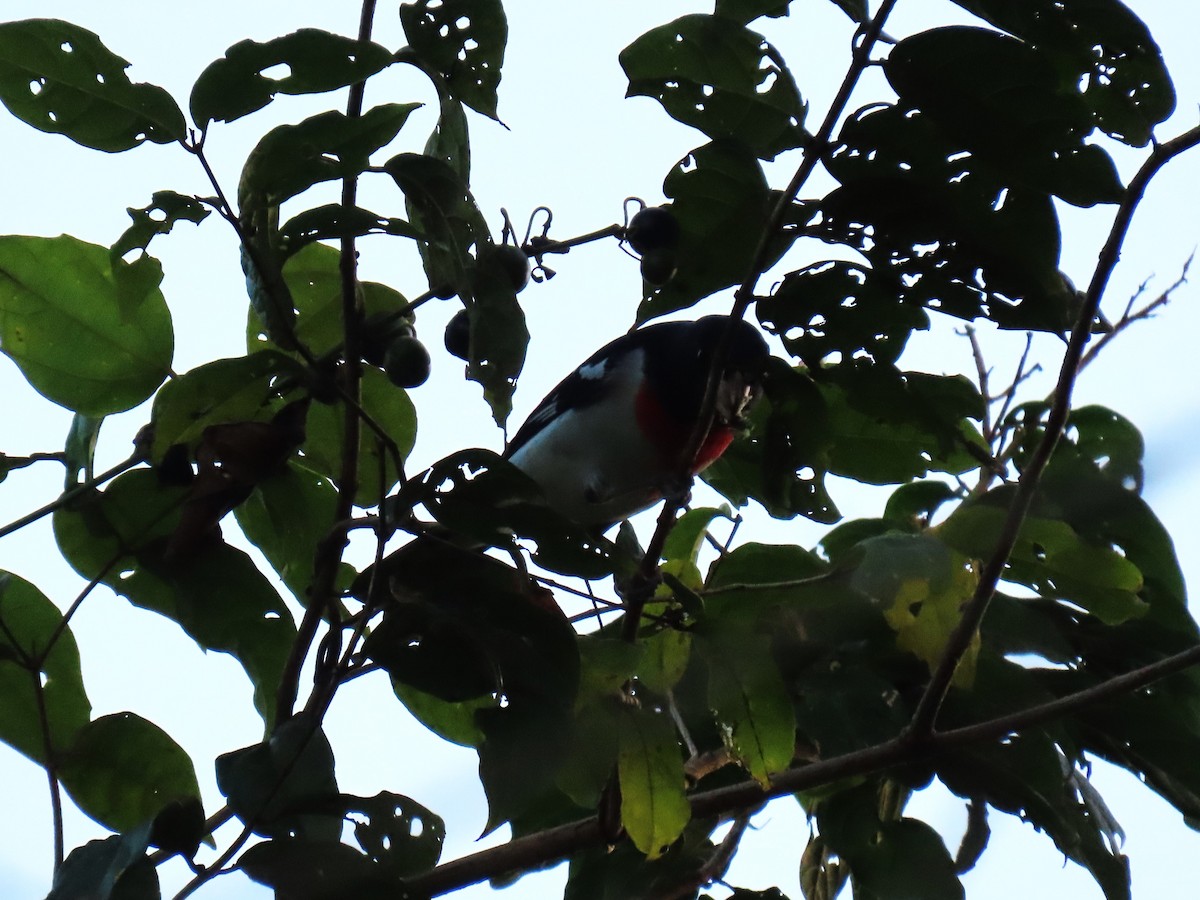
[608,441]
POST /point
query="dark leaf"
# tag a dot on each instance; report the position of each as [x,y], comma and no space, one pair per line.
[292,158]
[60,78]
[284,787]
[314,869]
[622,871]
[115,868]
[61,322]
[123,770]
[912,506]
[721,201]
[462,41]
[725,80]
[781,462]
[745,11]
[218,596]
[399,834]
[836,311]
[28,621]
[1102,47]
[949,230]
[1003,101]
[332,222]
[308,61]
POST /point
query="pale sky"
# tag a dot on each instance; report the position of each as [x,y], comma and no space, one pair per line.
[576,146]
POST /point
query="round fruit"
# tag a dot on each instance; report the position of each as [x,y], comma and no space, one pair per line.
[658,266]
[407,362]
[458,335]
[444,291]
[512,262]
[653,228]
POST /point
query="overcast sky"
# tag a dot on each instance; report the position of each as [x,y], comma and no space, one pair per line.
[574,144]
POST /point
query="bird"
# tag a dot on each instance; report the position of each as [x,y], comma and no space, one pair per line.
[608,441]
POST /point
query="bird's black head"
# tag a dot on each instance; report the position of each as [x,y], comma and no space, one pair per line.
[682,372]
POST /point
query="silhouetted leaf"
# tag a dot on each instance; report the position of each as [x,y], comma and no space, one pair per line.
[463,42]
[332,222]
[60,78]
[285,785]
[307,61]
[62,324]
[1003,101]
[158,217]
[723,79]
[1101,47]
[115,868]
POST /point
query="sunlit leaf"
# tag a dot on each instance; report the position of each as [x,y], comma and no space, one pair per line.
[654,808]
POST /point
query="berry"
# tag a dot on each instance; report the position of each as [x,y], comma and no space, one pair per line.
[407,362]
[653,228]
[458,335]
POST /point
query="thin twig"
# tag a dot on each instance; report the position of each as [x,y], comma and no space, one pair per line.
[925,716]
[981,374]
[67,496]
[51,766]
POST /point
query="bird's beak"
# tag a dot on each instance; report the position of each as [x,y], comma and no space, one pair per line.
[736,396]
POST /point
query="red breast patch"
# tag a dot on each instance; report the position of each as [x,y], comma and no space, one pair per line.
[670,436]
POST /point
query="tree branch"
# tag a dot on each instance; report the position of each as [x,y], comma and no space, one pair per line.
[67,496]
[925,716]
[541,848]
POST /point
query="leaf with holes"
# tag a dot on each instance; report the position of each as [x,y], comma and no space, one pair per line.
[29,665]
[60,78]
[1004,101]
[62,323]
[217,595]
[719,77]
[1102,47]
[158,217]
[951,232]
[463,41]
[123,770]
[834,311]
[654,806]
[308,61]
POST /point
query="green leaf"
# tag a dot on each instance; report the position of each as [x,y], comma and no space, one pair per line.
[719,77]
[286,517]
[123,770]
[1104,49]
[1051,558]
[217,595]
[654,806]
[79,452]
[451,721]
[750,702]
[391,410]
[225,390]
[290,159]
[888,427]
[61,322]
[29,621]
[1003,100]
[665,658]
[721,200]
[836,311]
[284,786]
[115,868]
[687,537]
[60,78]
[307,61]
[498,340]
[158,217]
[463,41]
